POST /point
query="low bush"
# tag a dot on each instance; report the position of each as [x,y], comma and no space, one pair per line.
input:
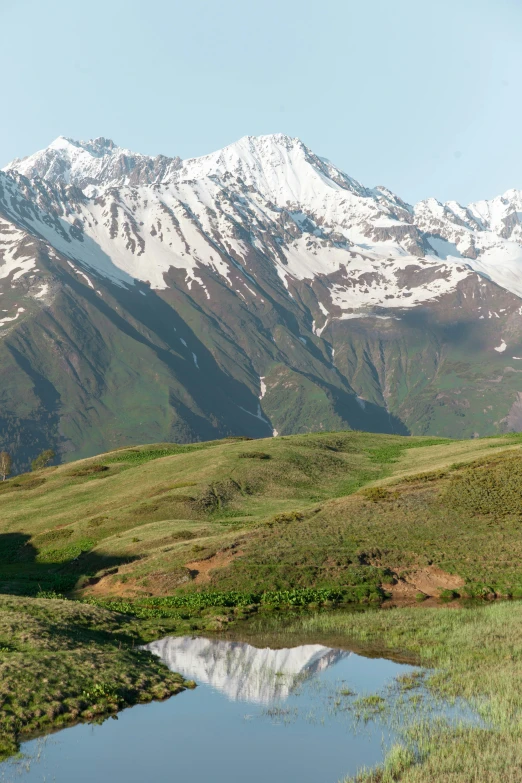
[88,470]
[287,516]
[375,494]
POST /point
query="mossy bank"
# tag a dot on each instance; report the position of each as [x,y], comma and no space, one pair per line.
[62,662]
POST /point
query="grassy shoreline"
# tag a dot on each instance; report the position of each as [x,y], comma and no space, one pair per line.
[64,662]
[68,662]
[474,654]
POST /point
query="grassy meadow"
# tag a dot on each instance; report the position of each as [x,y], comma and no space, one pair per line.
[343,511]
[173,539]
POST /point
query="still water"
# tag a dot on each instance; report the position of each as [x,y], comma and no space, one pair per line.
[258,715]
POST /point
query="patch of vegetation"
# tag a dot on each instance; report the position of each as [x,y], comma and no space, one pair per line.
[25,482]
[65,554]
[391,452]
[219,493]
[473,654]
[43,459]
[88,470]
[367,707]
[144,454]
[164,607]
[287,516]
[254,455]
[68,662]
[378,493]
[492,487]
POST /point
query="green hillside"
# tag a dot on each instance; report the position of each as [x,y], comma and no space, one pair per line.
[193,538]
[347,511]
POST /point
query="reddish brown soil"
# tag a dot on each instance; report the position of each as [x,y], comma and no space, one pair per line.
[430,580]
[203,568]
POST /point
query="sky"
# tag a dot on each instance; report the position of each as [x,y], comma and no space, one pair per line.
[420,96]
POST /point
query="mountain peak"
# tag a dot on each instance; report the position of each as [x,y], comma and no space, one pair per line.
[92,146]
[97,162]
[282,168]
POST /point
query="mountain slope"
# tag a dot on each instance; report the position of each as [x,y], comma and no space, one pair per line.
[255,290]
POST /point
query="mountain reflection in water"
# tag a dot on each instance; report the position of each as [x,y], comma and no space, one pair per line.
[242,672]
[301,723]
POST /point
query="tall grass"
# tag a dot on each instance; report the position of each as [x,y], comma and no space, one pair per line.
[476,655]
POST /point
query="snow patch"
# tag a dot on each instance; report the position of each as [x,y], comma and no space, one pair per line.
[42,292]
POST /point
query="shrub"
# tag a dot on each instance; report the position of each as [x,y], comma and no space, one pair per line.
[182,535]
[43,459]
[88,470]
[287,516]
[375,494]
[219,494]
[254,455]
[433,475]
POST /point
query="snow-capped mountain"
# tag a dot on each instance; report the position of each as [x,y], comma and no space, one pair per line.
[97,162]
[279,173]
[310,300]
[240,671]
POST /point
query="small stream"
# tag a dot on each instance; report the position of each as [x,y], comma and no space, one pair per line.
[258,715]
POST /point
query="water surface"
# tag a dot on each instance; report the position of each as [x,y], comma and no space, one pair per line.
[260,715]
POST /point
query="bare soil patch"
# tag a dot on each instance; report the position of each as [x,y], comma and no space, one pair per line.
[201,569]
[430,580]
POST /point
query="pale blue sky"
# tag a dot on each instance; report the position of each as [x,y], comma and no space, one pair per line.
[423,97]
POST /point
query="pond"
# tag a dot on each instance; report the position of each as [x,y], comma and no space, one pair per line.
[259,714]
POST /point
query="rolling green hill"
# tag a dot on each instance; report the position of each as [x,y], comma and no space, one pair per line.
[345,511]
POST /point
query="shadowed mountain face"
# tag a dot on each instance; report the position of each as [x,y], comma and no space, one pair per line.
[243,672]
[256,291]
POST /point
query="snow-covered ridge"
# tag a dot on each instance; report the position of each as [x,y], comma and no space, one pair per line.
[264,200]
[98,162]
